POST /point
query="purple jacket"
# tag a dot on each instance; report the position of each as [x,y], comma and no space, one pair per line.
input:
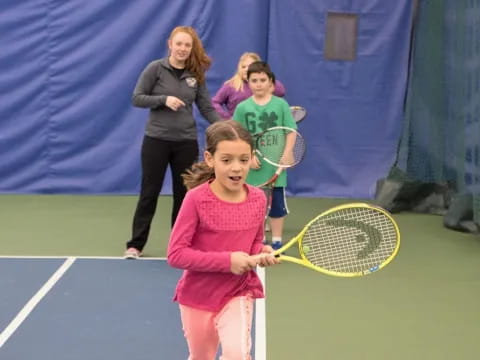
[227,98]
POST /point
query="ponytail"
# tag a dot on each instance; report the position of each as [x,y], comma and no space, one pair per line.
[228,130]
[198,174]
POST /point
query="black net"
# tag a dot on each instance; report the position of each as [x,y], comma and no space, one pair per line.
[438,158]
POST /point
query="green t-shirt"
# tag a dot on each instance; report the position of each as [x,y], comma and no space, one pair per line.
[257,118]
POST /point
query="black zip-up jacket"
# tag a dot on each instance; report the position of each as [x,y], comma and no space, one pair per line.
[157,81]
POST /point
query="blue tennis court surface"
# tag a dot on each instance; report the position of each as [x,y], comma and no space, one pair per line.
[19,281]
[98,309]
[83,308]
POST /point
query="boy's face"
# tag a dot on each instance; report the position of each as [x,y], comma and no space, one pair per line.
[260,84]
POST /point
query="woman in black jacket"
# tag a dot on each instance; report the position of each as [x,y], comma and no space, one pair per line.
[169,87]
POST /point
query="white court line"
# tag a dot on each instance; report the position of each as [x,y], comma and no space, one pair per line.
[28,308]
[260,323]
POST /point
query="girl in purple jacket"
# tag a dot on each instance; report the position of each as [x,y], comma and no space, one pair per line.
[236,89]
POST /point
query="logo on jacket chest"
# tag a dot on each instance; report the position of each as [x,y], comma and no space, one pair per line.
[191,82]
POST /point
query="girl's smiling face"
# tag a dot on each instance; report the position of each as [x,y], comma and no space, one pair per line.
[231,163]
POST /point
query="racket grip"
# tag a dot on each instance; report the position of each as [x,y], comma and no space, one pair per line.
[258,257]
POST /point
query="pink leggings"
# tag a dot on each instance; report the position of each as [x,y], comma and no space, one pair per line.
[231,327]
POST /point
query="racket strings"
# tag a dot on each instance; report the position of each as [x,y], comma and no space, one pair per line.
[350,240]
[299,149]
[298,113]
[272,146]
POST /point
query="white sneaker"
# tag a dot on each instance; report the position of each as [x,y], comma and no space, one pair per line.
[132,253]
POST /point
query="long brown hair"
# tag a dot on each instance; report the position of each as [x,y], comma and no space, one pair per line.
[198,62]
[228,130]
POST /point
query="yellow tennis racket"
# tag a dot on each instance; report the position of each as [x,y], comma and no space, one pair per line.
[348,240]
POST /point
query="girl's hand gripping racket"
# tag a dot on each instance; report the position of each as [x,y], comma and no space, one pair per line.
[298,112]
[348,240]
[281,147]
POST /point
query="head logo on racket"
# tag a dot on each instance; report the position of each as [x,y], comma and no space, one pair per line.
[370,235]
[346,241]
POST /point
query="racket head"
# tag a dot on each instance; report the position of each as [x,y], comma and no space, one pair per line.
[349,240]
[298,112]
[273,145]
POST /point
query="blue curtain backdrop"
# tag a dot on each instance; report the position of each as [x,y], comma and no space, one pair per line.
[68,68]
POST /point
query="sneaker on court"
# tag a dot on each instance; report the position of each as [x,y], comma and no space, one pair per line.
[276,245]
[132,253]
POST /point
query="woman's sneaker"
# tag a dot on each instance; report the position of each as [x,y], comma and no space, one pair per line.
[132,253]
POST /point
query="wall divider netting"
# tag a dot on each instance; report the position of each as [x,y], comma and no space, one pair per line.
[440,143]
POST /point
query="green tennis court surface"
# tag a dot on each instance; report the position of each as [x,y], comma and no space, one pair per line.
[424,305]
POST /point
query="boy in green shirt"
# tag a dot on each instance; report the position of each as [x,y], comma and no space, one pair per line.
[258,113]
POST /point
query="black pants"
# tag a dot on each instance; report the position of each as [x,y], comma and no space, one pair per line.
[156,156]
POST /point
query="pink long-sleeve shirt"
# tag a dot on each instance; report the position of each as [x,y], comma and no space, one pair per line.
[207,230]
[227,98]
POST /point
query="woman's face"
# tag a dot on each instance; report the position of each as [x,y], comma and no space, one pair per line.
[244,64]
[180,46]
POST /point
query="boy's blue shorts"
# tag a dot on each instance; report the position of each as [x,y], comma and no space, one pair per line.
[279,203]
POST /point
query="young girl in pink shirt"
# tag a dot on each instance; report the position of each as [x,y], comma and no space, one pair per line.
[218,230]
